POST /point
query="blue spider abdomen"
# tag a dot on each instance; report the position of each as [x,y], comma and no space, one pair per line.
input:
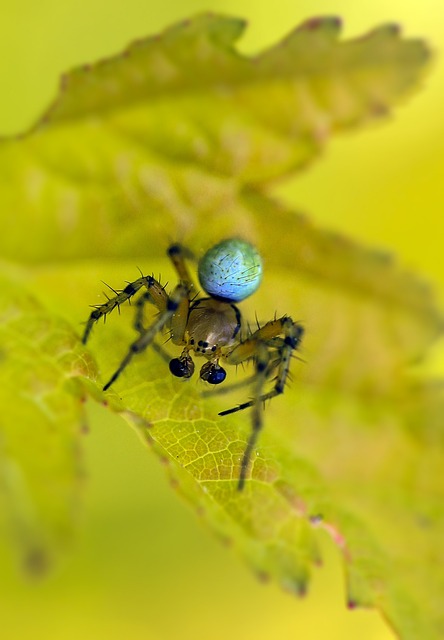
[231,270]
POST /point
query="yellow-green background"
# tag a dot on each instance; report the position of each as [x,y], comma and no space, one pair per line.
[144,567]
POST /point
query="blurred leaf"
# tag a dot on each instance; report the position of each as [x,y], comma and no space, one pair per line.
[41,425]
[179,123]
[173,139]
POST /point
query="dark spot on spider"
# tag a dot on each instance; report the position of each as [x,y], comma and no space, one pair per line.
[172,305]
[130,289]
[174,250]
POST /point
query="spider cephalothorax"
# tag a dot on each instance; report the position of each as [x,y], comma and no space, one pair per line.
[210,327]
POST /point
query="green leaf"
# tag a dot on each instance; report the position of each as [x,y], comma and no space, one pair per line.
[177,137]
[42,420]
[180,123]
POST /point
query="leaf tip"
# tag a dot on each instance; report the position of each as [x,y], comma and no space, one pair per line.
[392,28]
[222,29]
[297,587]
[324,23]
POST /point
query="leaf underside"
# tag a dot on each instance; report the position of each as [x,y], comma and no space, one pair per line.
[170,132]
[178,137]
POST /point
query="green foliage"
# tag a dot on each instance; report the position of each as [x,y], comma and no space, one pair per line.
[178,138]
[42,420]
[168,134]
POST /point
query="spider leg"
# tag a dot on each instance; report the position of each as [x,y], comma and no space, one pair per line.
[178,255]
[259,346]
[262,359]
[139,326]
[268,334]
[147,336]
[155,293]
[140,308]
[234,386]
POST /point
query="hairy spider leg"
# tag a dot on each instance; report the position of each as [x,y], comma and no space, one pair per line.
[173,310]
[156,293]
[140,327]
[157,296]
[269,335]
[260,345]
[178,256]
[262,359]
[174,302]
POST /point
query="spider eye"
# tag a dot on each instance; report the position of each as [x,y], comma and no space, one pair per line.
[182,367]
[213,373]
[231,270]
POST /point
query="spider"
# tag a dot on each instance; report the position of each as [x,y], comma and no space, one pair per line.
[211,327]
